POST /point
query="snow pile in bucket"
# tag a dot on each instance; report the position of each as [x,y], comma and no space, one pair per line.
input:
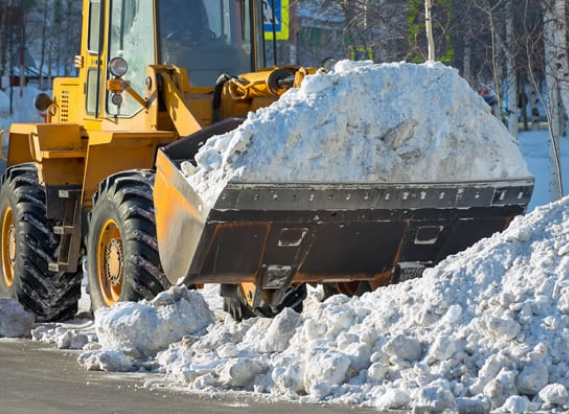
[364,123]
[485,330]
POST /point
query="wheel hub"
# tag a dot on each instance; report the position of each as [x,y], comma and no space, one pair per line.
[110,256]
[114,260]
[8,248]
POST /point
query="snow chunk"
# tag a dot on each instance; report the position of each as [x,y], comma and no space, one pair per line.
[281,330]
[15,321]
[240,372]
[147,327]
[393,399]
[554,394]
[63,336]
[474,405]
[532,379]
[404,347]
[516,404]
[324,370]
[434,400]
[105,360]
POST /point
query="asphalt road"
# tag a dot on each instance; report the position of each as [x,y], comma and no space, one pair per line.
[38,378]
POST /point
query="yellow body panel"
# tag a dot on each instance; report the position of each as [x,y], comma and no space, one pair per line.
[110,152]
[67,94]
[58,150]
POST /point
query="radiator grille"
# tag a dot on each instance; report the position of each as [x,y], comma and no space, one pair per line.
[64,107]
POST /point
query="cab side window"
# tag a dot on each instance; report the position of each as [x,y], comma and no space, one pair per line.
[94,26]
[93,43]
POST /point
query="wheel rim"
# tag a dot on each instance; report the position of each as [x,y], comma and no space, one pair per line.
[110,260]
[8,247]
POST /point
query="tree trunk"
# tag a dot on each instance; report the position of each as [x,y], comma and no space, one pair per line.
[67,22]
[561,60]
[57,33]
[4,36]
[552,108]
[534,106]
[512,95]
[44,31]
[467,65]
[498,69]
[429,29]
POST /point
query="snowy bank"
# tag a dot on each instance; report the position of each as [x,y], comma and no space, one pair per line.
[364,123]
[485,329]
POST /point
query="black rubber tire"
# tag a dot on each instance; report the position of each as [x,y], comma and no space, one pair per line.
[51,296]
[236,305]
[126,200]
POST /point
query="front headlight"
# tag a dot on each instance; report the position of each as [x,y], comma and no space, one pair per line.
[118,67]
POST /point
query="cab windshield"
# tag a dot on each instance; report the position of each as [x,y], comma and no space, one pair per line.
[207,37]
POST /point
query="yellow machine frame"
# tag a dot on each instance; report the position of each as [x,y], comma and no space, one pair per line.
[75,150]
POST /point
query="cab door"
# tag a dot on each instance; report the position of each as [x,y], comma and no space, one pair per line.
[95,59]
[131,37]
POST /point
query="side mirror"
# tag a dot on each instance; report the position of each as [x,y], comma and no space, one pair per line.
[328,63]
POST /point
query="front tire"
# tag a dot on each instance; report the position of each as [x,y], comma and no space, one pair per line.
[123,261]
[28,244]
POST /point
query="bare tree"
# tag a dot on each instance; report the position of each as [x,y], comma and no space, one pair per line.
[510,52]
[552,77]
[429,29]
[43,40]
[4,37]
[490,9]
[366,29]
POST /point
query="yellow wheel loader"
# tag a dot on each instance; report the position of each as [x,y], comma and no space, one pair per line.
[102,179]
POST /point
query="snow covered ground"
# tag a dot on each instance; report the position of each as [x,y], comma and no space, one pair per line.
[486,330]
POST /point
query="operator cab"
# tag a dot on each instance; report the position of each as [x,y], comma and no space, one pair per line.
[206,37]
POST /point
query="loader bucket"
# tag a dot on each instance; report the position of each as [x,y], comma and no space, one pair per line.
[279,233]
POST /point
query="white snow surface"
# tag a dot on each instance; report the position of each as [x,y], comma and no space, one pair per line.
[362,123]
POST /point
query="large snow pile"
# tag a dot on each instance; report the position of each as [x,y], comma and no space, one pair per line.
[485,329]
[364,123]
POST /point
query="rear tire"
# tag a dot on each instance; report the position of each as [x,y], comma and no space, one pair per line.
[27,245]
[236,305]
[123,261]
